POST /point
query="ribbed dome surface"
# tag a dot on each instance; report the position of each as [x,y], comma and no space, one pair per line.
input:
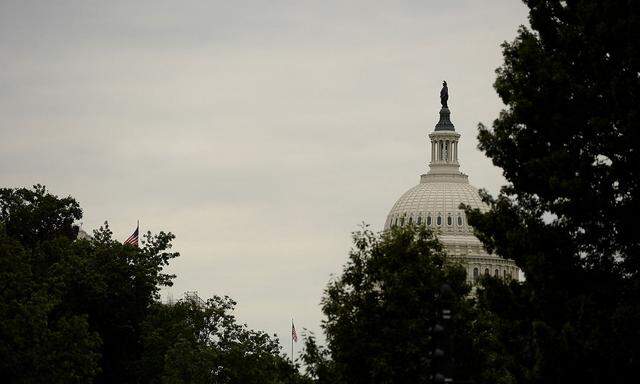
[435,199]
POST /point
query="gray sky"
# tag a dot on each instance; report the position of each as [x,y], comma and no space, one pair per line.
[259,132]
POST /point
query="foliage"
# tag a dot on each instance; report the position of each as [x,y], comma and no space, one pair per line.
[568,143]
[77,311]
[381,311]
[196,341]
[39,337]
[317,361]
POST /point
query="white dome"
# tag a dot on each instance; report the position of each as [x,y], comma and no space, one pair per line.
[427,201]
[435,202]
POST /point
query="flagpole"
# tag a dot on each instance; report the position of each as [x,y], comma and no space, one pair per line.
[292,340]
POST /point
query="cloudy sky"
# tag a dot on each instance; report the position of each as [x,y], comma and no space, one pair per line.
[259,132]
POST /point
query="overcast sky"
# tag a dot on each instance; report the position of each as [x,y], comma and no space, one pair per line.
[259,132]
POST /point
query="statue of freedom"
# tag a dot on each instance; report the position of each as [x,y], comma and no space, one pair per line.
[444,95]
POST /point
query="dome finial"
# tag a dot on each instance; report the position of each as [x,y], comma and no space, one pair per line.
[444,124]
[444,95]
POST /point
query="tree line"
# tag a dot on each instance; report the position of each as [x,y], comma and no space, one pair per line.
[88,310]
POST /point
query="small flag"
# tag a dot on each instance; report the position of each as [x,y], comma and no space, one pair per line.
[294,335]
[133,239]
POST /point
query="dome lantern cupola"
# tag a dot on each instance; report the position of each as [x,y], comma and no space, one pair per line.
[444,143]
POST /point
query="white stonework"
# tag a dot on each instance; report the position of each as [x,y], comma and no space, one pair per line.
[435,203]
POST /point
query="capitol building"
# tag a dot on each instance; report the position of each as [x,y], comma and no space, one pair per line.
[435,202]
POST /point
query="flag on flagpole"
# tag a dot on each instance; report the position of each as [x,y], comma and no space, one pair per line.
[294,335]
[133,239]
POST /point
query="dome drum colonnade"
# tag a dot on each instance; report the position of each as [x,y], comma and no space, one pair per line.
[435,202]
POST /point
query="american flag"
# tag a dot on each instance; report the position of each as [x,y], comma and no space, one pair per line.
[133,239]
[294,335]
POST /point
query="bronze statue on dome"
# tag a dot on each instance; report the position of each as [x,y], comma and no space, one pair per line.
[444,95]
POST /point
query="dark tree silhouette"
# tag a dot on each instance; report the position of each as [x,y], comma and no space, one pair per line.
[79,311]
[569,145]
[382,314]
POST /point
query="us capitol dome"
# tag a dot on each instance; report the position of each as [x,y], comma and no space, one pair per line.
[435,202]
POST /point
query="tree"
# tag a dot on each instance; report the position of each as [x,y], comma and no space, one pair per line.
[316,359]
[117,286]
[568,143]
[383,313]
[71,310]
[38,338]
[78,311]
[197,341]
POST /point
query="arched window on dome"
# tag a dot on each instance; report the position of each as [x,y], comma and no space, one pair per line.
[439,220]
[419,221]
[402,221]
[410,220]
[460,221]
[449,220]
[496,273]
[429,220]
[395,224]
[486,271]
[475,275]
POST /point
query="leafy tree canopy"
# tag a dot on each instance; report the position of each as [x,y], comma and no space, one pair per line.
[77,311]
[197,341]
[568,143]
[382,310]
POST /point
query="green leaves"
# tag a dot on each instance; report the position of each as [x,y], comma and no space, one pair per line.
[380,310]
[77,311]
[197,341]
[40,338]
[34,215]
[568,143]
